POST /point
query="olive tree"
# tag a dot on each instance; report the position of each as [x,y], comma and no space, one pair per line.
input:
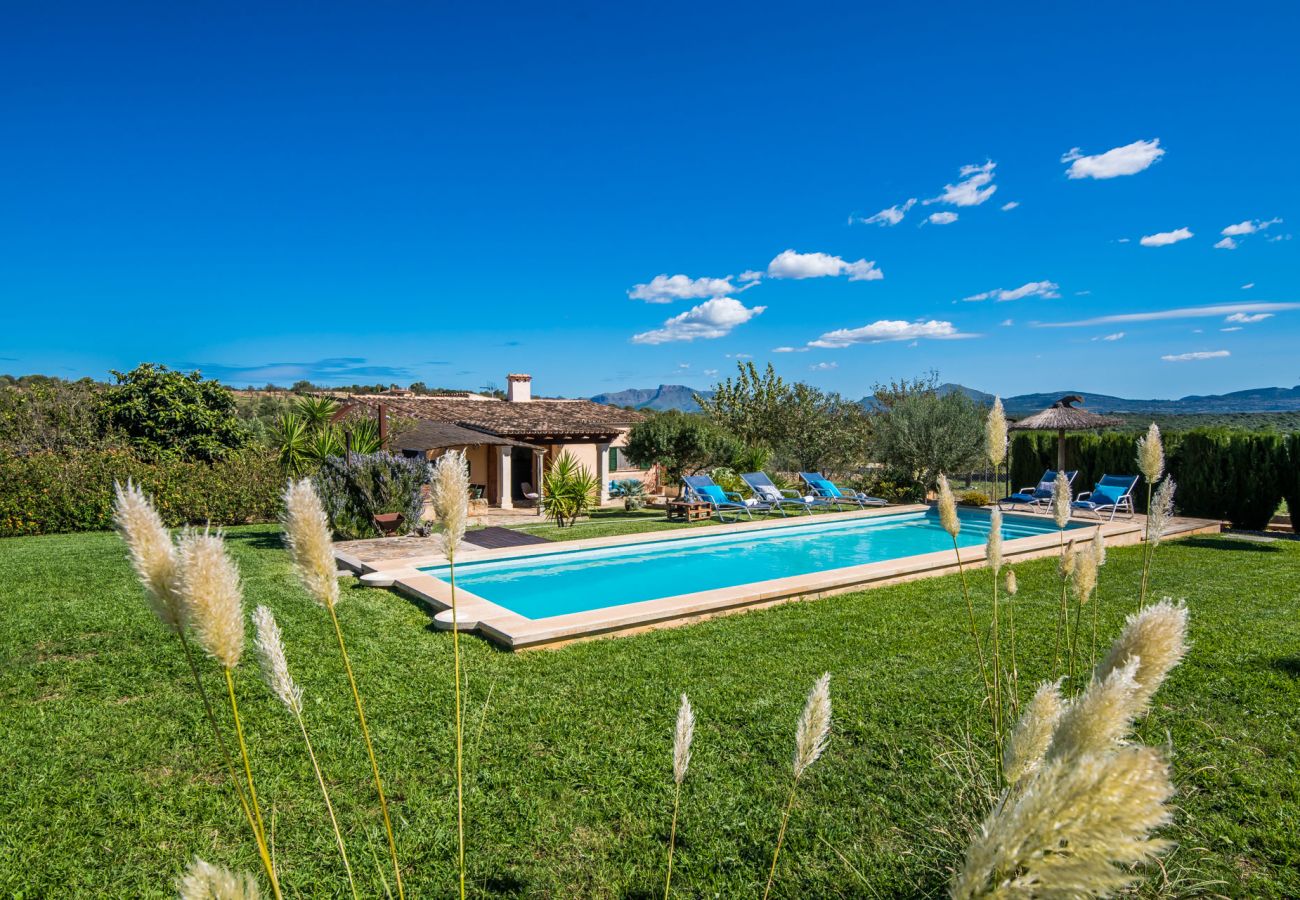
[926,435]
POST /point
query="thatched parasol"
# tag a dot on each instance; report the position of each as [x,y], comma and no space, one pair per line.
[1062,416]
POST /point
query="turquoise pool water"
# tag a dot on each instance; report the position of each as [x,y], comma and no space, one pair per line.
[575,581]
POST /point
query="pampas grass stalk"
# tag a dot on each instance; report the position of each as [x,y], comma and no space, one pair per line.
[1011,588]
[952,524]
[1151,463]
[275,671]
[682,736]
[204,881]
[810,741]
[450,495]
[154,559]
[1061,514]
[212,606]
[1081,802]
[1159,511]
[994,555]
[1083,582]
[307,535]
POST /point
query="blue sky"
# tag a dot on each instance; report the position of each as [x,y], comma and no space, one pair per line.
[392,192]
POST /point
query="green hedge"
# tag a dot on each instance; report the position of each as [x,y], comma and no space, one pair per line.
[1240,476]
[48,493]
[1290,478]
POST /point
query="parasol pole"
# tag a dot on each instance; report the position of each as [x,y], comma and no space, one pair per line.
[1060,450]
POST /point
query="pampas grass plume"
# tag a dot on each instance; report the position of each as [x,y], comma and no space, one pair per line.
[1071,829]
[995,433]
[994,544]
[307,534]
[450,495]
[1156,638]
[682,737]
[1098,548]
[948,508]
[153,555]
[1151,455]
[1161,511]
[1012,587]
[212,600]
[204,881]
[1028,742]
[275,668]
[1061,500]
[814,726]
[1099,718]
[1084,574]
[1068,561]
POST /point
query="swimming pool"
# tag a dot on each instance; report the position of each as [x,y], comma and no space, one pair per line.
[548,584]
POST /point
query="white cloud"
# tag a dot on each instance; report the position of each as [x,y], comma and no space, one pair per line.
[789,264]
[739,355]
[1007,207]
[1006,323]
[1165,238]
[823,367]
[1278,237]
[1250,226]
[1045,289]
[785,350]
[710,372]
[711,319]
[667,288]
[1127,160]
[1226,244]
[1122,240]
[1233,328]
[1186,312]
[1199,354]
[974,188]
[1082,293]
[1117,336]
[1248,285]
[942,218]
[887,330]
[891,216]
[683,365]
[749,275]
[1248,318]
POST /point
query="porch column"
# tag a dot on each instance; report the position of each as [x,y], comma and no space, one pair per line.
[539,474]
[602,471]
[505,481]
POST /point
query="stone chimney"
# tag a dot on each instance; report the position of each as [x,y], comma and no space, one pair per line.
[519,388]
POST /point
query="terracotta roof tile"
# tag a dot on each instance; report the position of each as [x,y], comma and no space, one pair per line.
[535,417]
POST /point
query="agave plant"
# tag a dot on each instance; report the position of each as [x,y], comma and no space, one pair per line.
[568,490]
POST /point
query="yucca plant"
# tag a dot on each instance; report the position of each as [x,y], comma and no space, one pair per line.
[316,412]
[569,490]
[322,444]
[364,436]
[290,436]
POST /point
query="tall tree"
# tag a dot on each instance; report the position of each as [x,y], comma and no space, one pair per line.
[925,435]
[166,413]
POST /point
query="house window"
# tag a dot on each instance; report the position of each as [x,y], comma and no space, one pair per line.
[618,460]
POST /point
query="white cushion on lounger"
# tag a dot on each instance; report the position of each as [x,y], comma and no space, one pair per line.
[770,494]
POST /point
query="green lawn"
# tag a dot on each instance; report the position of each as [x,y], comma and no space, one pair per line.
[109,784]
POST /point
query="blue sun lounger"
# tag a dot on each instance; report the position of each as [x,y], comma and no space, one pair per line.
[703,489]
[826,489]
[1039,496]
[767,492]
[1113,492]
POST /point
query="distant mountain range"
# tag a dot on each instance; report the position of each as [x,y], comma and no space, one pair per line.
[1271,399]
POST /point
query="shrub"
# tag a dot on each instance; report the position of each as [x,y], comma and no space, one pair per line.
[355,491]
[1289,477]
[889,484]
[632,490]
[170,414]
[50,493]
[568,490]
[1240,476]
[974,498]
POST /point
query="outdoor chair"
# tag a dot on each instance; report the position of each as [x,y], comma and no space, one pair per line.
[1039,496]
[702,489]
[766,491]
[825,489]
[1113,492]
